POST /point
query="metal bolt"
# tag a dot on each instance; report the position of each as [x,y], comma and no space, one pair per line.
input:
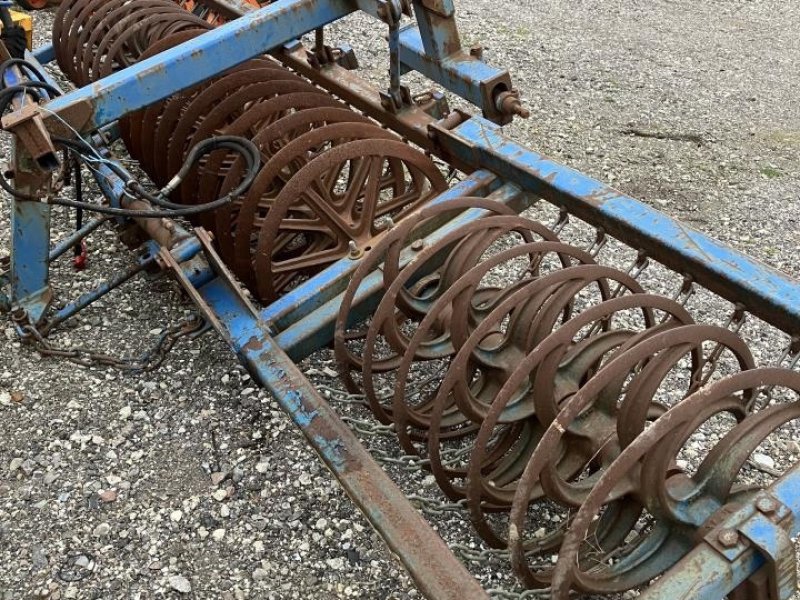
[728,538]
[417,245]
[766,505]
[476,51]
[355,251]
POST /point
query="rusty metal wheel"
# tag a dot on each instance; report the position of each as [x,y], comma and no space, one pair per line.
[311,111]
[670,488]
[131,37]
[138,128]
[67,28]
[490,354]
[387,251]
[278,171]
[247,100]
[556,367]
[178,133]
[387,338]
[342,196]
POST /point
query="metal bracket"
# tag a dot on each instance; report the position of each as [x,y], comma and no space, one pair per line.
[767,529]
[443,8]
[213,261]
[28,125]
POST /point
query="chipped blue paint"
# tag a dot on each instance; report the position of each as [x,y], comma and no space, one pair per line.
[294,401]
[44,55]
[711,572]
[459,72]
[199,59]
[767,293]
[30,252]
[30,243]
[432,566]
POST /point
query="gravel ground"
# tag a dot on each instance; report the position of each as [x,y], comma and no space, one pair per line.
[189,481]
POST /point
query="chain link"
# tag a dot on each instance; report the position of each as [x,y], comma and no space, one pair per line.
[480,555]
[437,507]
[149,360]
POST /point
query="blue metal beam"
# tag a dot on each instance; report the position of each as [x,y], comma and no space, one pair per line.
[459,72]
[437,23]
[767,293]
[197,60]
[435,569]
[30,263]
[30,226]
[45,54]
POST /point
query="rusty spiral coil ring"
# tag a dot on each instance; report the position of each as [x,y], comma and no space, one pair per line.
[539,389]
[542,365]
[388,249]
[651,453]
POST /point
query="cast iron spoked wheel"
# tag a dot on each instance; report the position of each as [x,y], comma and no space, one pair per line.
[341,196]
[234,224]
[278,170]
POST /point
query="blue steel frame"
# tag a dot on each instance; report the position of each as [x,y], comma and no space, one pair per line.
[763,534]
[30,229]
[300,322]
[250,35]
[769,294]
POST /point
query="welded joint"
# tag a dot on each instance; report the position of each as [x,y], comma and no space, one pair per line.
[392,11]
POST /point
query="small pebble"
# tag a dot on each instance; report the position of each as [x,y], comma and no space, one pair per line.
[107,495]
[180,584]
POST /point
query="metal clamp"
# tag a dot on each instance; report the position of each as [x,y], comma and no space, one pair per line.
[767,530]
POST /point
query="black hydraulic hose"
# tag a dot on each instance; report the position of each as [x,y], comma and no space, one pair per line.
[244,147]
[28,66]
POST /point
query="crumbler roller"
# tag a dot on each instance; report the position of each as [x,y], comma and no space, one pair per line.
[549,390]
